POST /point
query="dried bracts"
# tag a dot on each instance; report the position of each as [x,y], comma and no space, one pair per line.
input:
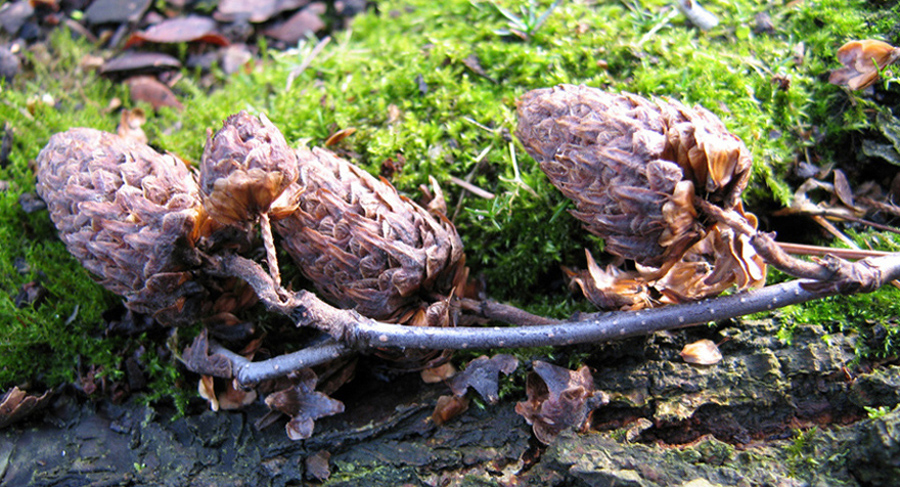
[635,169]
[366,247]
[130,215]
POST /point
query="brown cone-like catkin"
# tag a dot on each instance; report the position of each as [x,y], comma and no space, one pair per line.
[245,167]
[634,169]
[368,248]
[130,215]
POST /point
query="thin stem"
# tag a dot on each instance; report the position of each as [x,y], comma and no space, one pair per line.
[269,243]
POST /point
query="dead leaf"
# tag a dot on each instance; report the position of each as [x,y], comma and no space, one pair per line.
[860,59]
[701,352]
[130,125]
[449,407]
[140,62]
[149,90]
[16,405]
[197,358]
[115,11]
[339,136]
[254,11]
[303,404]
[317,465]
[842,188]
[474,64]
[558,399]
[184,29]
[302,24]
[483,374]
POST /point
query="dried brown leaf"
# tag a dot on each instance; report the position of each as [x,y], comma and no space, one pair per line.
[437,374]
[235,397]
[16,405]
[183,29]
[300,25]
[206,387]
[254,11]
[149,90]
[842,188]
[140,62]
[558,399]
[483,374]
[303,404]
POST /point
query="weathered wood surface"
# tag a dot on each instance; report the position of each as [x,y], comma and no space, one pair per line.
[768,414]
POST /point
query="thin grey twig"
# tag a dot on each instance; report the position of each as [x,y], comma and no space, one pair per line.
[248,373]
[355,332]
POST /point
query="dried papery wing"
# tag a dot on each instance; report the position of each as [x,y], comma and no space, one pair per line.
[365,246]
[198,359]
[303,404]
[245,167]
[611,288]
[558,399]
[16,405]
[862,60]
[483,375]
[701,352]
[130,215]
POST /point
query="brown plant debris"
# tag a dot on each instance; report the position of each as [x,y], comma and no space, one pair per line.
[16,405]
[483,374]
[366,247]
[317,465]
[130,215]
[197,358]
[635,169]
[449,407]
[303,404]
[559,399]
[150,90]
[862,60]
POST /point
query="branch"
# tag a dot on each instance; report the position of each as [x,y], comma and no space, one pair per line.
[621,324]
[249,373]
[361,333]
